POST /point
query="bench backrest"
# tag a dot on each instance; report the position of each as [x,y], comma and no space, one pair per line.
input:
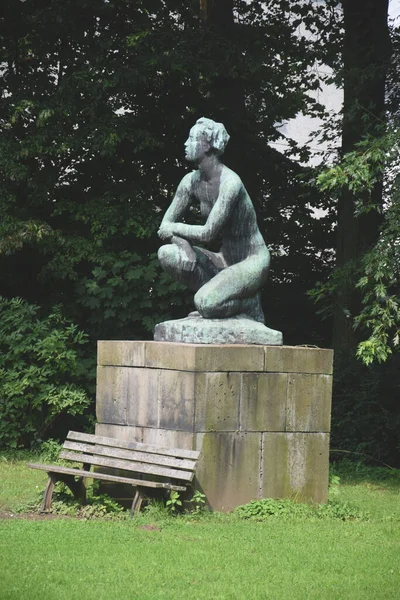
[130,456]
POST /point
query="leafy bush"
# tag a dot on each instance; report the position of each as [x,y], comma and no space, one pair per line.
[174,503]
[355,472]
[266,508]
[365,414]
[334,509]
[50,450]
[41,373]
[128,294]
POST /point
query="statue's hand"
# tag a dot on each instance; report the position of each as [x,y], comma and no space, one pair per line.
[165,232]
[188,255]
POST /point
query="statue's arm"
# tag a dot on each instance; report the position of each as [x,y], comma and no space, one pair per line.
[177,208]
[219,215]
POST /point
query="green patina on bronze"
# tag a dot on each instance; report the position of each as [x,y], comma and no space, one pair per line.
[226,283]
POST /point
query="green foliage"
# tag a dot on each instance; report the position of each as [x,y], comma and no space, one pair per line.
[198,500]
[127,294]
[50,451]
[354,472]
[98,506]
[361,169]
[377,275]
[259,510]
[365,414]
[344,511]
[40,371]
[334,481]
[266,508]
[96,102]
[174,504]
[380,286]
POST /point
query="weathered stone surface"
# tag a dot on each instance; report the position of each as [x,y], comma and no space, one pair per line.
[147,435]
[253,423]
[293,359]
[234,330]
[295,465]
[121,432]
[168,438]
[228,468]
[308,403]
[201,358]
[142,391]
[216,357]
[170,356]
[263,402]
[121,353]
[112,392]
[176,399]
[217,402]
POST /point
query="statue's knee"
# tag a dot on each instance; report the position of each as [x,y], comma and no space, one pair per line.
[203,304]
[165,255]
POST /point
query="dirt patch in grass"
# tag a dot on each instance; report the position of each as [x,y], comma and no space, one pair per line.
[150,527]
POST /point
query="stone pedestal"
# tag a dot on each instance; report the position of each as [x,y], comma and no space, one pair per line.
[260,415]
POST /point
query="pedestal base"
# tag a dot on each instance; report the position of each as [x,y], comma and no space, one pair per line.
[260,415]
[235,330]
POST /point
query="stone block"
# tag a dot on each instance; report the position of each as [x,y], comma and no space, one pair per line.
[263,402]
[217,402]
[308,402]
[121,353]
[143,393]
[112,393]
[293,359]
[168,355]
[226,358]
[176,400]
[223,357]
[200,358]
[119,432]
[295,465]
[228,468]
[168,438]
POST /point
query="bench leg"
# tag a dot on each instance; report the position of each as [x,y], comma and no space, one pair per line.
[48,493]
[137,503]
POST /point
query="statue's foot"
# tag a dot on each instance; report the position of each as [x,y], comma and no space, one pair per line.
[251,309]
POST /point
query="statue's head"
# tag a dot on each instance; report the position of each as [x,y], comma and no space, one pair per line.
[215,134]
[205,136]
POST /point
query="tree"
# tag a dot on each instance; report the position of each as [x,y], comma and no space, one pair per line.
[366,56]
[96,103]
[365,283]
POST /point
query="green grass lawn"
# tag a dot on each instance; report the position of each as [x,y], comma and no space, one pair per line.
[294,556]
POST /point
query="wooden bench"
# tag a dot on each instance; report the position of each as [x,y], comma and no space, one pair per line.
[154,467]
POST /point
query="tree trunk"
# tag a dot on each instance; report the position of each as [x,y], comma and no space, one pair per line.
[226,93]
[366,54]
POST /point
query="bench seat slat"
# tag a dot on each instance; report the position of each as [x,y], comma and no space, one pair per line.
[127,465]
[165,461]
[105,477]
[131,445]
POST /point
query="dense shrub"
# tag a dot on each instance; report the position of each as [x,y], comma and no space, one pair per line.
[365,409]
[41,371]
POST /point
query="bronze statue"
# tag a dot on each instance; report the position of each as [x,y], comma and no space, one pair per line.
[227,282]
